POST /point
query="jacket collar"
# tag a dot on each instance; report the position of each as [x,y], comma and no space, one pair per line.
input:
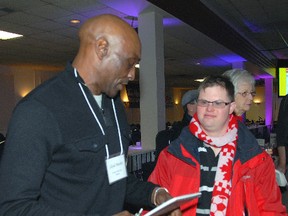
[247,146]
[185,147]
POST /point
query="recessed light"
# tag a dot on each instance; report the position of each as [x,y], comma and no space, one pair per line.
[75,21]
[199,80]
[4,35]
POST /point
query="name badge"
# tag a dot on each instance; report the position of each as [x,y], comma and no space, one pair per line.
[116,168]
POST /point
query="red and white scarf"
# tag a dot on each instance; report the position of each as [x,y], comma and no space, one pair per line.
[227,143]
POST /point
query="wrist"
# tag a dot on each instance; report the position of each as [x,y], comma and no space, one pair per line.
[156,192]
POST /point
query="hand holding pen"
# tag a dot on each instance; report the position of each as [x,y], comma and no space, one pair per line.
[139,213]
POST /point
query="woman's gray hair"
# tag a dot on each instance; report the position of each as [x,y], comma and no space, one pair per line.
[238,76]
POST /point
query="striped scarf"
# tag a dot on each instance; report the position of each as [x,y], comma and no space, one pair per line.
[227,143]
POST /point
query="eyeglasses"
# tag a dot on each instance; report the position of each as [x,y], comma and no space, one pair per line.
[245,94]
[215,104]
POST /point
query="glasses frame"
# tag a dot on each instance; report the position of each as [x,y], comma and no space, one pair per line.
[216,104]
[246,93]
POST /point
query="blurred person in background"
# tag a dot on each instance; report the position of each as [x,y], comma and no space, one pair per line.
[282,134]
[244,86]
[164,138]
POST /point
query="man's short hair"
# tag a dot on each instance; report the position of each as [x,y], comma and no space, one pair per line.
[220,80]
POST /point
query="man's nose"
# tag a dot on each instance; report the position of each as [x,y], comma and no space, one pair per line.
[210,107]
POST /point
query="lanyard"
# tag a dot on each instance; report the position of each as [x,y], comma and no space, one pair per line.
[96,118]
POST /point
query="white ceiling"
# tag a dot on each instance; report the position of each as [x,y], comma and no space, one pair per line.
[50,39]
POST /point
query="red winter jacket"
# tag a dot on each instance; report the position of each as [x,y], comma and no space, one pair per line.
[253,183]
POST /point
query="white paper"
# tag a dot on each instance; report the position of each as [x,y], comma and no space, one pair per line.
[172,204]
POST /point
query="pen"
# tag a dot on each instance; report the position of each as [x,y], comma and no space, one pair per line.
[139,213]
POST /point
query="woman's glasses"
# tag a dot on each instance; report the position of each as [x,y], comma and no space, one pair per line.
[245,94]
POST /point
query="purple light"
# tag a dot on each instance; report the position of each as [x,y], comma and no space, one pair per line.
[232,58]
[263,76]
[253,27]
[129,7]
[268,101]
[171,22]
[220,61]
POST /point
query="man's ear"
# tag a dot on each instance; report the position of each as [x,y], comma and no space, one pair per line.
[232,107]
[101,47]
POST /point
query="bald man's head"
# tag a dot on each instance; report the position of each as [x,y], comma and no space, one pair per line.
[109,49]
[106,25]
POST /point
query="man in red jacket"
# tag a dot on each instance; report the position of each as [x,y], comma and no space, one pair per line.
[218,156]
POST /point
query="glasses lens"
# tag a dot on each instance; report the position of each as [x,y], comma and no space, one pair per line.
[215,104]
[245,94]
[218,104]
[202,103]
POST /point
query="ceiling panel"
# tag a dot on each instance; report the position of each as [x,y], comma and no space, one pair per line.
[50,39]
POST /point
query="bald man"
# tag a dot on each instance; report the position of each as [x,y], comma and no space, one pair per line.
[68,139]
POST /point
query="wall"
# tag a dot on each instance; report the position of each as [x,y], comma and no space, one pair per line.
[16,82]
[257,110]
[7,101]
[174,110]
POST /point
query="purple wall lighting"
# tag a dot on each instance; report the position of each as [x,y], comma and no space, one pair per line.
[264,76]
[268,101]
[232,58]
[212,62]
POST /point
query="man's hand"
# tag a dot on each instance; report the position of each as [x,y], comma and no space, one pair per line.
[161,195]
[282,159]
[282,168]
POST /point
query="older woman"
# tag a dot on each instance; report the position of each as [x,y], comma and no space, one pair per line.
[244,86]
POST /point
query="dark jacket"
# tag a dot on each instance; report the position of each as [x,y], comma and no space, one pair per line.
[2,142]
[54,158]
[282,123]
[165,137]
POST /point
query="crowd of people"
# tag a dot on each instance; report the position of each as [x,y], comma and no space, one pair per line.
[67,157]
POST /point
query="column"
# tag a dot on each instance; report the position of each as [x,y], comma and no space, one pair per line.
[269,101]
[151,77]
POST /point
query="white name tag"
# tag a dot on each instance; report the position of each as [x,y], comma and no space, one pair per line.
[116,168]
